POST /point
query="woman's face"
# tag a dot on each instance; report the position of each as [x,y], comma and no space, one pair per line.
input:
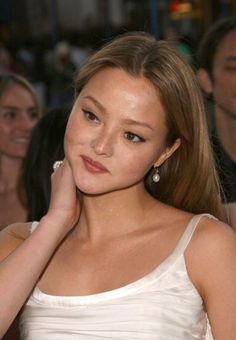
[18,115]
[116,132]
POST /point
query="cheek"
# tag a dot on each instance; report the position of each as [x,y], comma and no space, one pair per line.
[76,140]
[143,159]
[135,164]
[75,135]
[34,122]
[5,132]
[5,128]
[222,90]
[223,79]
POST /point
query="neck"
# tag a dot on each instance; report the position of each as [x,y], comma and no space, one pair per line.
[9,173]
[225,128]
[114,214]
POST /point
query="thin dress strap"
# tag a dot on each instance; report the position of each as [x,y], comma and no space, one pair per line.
[188,233]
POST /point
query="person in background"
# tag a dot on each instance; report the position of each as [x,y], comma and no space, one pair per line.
[45,147]
[173,37]
[7,63]
[127,248]
[60,74]
[19,112]
[217,77]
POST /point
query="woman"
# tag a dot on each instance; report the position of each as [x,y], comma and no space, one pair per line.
[19,112]
[134,256]
[45,146]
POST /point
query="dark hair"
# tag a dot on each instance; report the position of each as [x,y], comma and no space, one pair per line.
[211,41]
[45,147]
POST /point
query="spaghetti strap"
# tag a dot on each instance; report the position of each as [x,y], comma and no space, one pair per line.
[188,233]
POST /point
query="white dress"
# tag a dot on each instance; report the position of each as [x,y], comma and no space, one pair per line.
[163,305]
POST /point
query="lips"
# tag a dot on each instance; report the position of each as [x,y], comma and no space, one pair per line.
[93,166]
[22,140]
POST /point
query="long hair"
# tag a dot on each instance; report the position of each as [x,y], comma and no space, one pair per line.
[188,178]
[45,147]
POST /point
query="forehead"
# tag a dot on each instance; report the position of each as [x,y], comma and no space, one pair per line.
[227,47]
[16,94]
[118,90]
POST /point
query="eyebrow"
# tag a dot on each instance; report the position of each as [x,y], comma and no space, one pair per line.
[127,121]
[230,58]
[11,107]
[99,105]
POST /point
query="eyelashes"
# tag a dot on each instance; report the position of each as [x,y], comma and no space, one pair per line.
[90,116]
[134,137]
[130,136]
[12,115]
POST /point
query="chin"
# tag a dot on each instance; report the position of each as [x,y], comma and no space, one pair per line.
[19,156]
[94,188]
[20,153]
[86,187]
[88,191]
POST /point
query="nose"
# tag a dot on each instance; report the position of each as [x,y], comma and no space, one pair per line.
[103,143]
[26,123]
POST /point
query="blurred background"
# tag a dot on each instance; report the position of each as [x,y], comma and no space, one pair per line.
[47,41]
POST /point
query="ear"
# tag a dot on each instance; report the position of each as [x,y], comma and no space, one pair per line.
[205,81]
[167,152]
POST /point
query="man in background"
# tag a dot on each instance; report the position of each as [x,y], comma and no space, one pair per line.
[217,78]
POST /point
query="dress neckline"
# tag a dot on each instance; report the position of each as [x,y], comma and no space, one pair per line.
[134,286]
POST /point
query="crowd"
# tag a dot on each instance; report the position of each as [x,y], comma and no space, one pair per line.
[50,69]
[131,234]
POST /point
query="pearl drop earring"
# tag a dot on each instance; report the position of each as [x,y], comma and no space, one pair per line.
[156,176]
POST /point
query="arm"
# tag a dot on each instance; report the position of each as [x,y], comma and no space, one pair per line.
[23,261]
[211,262]
[20,270]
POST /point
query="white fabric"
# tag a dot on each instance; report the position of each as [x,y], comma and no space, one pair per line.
[163,305]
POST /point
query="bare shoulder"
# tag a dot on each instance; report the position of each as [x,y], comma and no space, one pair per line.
[211,254]
[212,234]
[12,236]
[211,264]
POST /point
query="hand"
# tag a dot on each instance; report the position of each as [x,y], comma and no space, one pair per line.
[64,204]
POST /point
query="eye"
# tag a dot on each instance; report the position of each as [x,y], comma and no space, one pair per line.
[133,137]
[230,68]
[34,115]
[9,115]
[91,116]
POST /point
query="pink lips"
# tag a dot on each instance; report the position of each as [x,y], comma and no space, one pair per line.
[92,166]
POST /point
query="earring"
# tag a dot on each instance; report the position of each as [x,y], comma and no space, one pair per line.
[156,176]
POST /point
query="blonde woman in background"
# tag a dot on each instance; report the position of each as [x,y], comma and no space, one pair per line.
[19,112]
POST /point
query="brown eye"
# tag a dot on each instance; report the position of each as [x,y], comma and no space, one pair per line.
[34,115]
[91,116]
[9,115]
[133,137]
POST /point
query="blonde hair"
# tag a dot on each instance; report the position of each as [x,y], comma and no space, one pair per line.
[9,79]
[188,178]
